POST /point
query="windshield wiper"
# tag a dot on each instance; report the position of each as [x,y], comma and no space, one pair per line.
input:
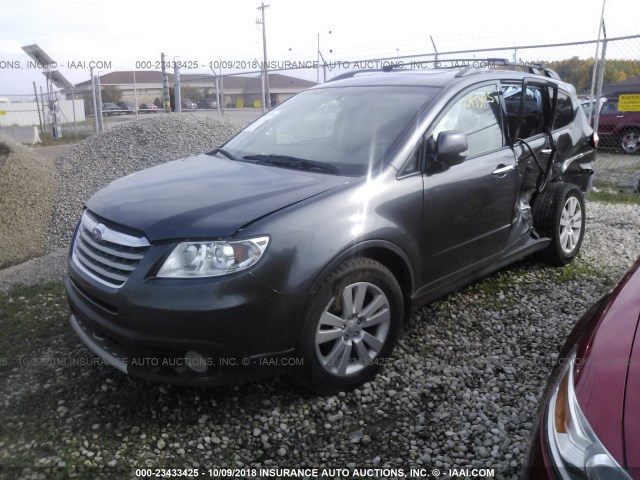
[225,153]
[293,162]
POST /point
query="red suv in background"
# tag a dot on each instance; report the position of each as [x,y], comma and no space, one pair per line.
[620,130]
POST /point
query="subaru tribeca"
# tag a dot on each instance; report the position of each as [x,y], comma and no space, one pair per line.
[303,242]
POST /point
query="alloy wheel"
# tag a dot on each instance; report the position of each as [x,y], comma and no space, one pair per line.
[631,142]
[353,329]
[570,225]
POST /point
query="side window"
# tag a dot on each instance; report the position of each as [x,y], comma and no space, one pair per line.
[478,115]
[610,106]
[564,110]
[413,163]
[535,114]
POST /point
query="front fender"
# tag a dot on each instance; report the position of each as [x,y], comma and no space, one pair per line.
[311,238]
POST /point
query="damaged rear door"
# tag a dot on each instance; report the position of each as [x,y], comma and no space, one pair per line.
[529,108]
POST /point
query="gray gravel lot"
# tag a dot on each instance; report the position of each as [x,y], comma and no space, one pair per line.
[462,388]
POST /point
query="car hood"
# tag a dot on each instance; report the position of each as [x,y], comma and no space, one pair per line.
[607,383]
[204,196]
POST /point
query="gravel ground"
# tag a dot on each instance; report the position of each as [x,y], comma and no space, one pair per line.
[617,170]
[127,148]
[37,271]
[462,389]
[27,186]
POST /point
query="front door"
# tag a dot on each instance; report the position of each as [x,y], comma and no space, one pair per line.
[468,207]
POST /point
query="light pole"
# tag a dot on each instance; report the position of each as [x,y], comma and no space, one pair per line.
[265,68]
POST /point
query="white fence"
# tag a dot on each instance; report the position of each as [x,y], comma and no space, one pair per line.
[26,113]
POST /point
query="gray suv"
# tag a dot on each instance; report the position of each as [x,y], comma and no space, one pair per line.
[302,243]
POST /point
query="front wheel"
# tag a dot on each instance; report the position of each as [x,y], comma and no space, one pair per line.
[350,327]
[559,213]
[630,141]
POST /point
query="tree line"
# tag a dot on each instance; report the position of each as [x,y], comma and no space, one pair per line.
[579,72]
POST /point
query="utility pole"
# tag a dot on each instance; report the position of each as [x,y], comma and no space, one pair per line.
[166,101]
[324,63]
[177,96]
[99,99]
[603,60]
[95,101]
[265,70]
[595,65]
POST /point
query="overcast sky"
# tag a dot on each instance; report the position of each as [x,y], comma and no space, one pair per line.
[125,31]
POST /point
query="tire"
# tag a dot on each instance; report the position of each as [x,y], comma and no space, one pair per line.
[630,141]
[559,213]
[342,347]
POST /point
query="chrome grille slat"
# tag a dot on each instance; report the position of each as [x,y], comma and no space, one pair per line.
[109,258]
[98,269]
[87,252]
[105,248]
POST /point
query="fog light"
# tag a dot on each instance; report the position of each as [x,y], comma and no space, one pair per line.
[196,362]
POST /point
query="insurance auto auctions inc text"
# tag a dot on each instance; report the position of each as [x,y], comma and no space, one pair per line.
[347,473]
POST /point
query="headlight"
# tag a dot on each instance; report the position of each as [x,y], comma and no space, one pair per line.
[211,259]
[576,451]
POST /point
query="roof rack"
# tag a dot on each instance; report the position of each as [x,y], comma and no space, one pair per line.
[477,65]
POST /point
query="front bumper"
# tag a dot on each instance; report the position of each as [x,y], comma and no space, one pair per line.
[241,327]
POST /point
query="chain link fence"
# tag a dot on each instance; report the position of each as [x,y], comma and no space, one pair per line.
[606,75]
[33,118]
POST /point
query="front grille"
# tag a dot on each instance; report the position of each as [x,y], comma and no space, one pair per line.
[105,254]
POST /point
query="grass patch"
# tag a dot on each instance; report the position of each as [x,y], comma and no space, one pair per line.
[576,270]
[29,316]
[49,141]
[615,196]
[503,279]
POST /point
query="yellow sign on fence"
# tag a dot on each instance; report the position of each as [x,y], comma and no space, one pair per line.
[239,103]
[629,103]
[3,112]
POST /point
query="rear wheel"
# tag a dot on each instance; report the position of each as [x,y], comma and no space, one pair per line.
[630,141]
[559,213]
[350,327]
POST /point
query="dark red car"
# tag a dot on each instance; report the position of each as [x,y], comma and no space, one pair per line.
[589,425]
[619,129]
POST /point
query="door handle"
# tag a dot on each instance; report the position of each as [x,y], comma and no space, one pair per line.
[619,116]
[545,151]
[503,169]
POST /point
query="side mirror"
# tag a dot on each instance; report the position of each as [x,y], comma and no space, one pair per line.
[451,147]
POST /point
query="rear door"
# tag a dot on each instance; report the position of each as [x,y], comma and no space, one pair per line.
[528,108]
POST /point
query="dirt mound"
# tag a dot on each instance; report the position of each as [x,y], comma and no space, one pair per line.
[27,189]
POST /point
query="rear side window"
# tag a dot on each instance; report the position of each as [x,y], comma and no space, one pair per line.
[564,110]
[535,115]
[477,114]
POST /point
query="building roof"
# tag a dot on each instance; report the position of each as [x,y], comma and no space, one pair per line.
[630,85]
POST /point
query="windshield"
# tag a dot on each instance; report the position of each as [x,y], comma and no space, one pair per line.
[349,128]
